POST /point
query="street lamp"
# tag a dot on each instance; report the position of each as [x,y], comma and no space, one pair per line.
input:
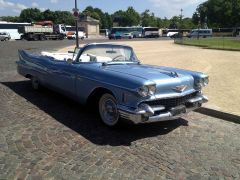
[199,23]
[181,16]
[181,23]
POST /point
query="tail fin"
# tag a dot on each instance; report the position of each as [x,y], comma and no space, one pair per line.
[23,55]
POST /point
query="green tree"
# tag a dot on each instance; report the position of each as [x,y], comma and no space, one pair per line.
[10,18]
[31,15]
[63,17]
[119,18]
[187,23]
[174,22]
[98,14]
[109,21]
[132,17]
[195,18]
[89,11]
[148,18]
[219,13]
[49,15]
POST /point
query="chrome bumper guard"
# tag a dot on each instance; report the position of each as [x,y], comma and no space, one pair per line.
[145,113]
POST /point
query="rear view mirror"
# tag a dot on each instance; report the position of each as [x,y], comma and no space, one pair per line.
[71,52]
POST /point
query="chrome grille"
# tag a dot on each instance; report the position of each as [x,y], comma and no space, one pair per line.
[172,102]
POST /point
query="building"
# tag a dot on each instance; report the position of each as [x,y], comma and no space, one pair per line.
[90,25]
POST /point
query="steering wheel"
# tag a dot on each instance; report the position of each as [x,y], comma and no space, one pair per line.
[115,58]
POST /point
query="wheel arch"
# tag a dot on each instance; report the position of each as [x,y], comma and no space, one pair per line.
[95,95]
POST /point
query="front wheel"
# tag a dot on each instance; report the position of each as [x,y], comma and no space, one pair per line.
[108,111]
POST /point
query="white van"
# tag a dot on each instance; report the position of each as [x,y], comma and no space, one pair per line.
[200,33]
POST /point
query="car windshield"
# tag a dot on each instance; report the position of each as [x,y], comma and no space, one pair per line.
[108,53]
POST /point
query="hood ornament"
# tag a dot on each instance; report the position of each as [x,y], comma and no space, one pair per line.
[174,74]
[180,88]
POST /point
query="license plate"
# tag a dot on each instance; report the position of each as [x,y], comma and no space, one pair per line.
[178,110]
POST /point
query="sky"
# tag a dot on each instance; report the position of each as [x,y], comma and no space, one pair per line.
[161,8]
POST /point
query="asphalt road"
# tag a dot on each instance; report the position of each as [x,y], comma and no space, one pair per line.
[44,135]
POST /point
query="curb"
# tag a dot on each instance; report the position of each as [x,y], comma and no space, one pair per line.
[218,114]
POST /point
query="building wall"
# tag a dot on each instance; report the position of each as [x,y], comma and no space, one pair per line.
[91,29]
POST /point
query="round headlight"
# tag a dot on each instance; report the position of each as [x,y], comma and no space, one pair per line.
[143,91]
[205,81]
[147,90]
[202,82]
[151,90]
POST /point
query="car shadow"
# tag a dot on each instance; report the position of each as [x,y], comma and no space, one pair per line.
[87,123]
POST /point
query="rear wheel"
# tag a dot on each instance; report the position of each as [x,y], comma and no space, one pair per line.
[35,37]
[42,37]
[108,111]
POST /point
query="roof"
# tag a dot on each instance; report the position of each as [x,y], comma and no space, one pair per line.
[88,19]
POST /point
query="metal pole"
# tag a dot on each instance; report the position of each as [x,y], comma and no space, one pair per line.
[181,21]
[76,24]
[234,17]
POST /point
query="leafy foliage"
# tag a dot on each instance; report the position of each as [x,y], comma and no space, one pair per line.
[130,17]
[96,13]
[30,15]
[10,18]
[215,13]
[34,14]
[218,13]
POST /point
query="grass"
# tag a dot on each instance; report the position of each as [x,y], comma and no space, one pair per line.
[225,43]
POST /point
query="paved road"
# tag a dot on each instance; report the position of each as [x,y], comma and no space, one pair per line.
[44,135]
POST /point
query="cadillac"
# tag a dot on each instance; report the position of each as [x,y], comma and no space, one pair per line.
[112,77]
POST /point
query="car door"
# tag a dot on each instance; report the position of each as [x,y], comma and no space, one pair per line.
[62,75]
[85,81]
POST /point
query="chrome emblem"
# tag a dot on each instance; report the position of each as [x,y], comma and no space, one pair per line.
[180,88]
[174,74]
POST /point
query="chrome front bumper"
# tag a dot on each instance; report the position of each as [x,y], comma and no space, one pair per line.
[147,114]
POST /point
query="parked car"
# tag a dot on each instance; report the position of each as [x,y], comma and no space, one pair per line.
[111,76]
[136,34]
[200,33]
[81,35]
[171,34]
[176,35]
[4,36]
[127,36]
[116,35]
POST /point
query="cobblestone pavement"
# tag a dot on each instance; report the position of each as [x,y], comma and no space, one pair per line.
[46,136]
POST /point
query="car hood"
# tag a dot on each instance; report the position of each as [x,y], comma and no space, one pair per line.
[166,80]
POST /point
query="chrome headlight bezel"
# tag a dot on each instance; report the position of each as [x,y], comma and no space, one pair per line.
[202,82]
[147,90]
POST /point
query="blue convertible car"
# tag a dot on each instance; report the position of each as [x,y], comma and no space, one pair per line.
[112,76]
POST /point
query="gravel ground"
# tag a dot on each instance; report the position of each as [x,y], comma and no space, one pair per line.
[44,135]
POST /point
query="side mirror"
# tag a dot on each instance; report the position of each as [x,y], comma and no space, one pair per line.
[69,60]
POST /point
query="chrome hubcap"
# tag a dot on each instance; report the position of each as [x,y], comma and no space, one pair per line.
[108,110]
